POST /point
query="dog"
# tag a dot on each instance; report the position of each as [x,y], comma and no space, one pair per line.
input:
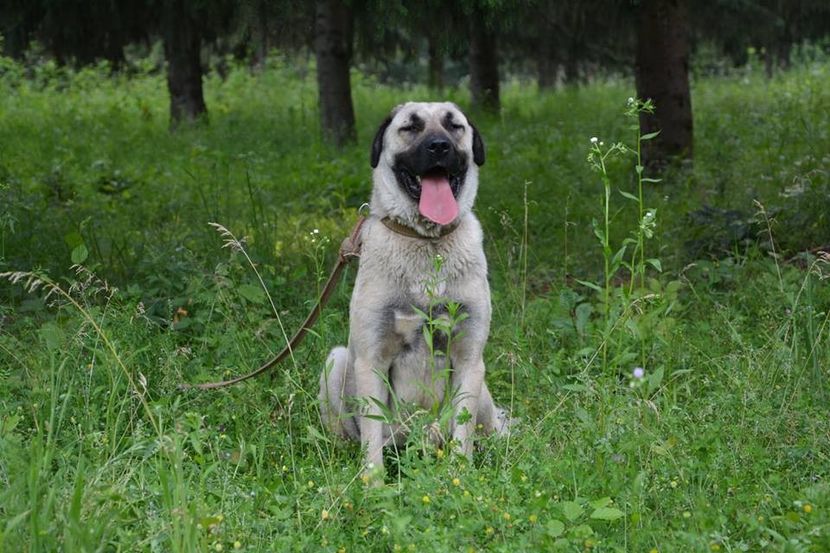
[425,159]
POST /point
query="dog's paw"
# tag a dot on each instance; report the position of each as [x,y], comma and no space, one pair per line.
[505,424]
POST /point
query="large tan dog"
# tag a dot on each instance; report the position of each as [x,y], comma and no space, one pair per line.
[426,158]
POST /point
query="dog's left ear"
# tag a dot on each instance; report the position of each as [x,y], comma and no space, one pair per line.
[377,143]
[478,146]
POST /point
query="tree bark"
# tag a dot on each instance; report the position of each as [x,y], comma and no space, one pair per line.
[769,62]
[260,36]
[182,49]
[662,75]
[783,54]
[484,66]
[572,71]
[546,63]
[333,48]
[436,61]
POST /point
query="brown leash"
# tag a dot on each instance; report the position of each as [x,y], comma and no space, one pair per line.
[349,250]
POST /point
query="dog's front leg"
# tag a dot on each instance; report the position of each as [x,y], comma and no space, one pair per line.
[371,377]
[467,379]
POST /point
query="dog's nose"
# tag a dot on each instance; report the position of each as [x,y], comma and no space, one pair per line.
[438,146]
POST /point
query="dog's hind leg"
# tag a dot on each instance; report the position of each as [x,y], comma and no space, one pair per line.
[336,389]
[490,416]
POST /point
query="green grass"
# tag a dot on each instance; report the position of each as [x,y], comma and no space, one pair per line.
[723,446]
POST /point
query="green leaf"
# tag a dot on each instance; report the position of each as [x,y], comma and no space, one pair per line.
[629,196]
[463,417]
[73,239]
[79,254]
[182,323]
[555,528]
[601,502]
[52,336]
[649,136]
[315,435]
[607,513]
[588,422]
[656,264]
[399,523]
[14,522]
[655,379]
[582,531]
[385,410]
[571,510]
[210,521]
[425,330]
[9,424]
[618,256]
[659,449]
[196,442]
[582,315]
[252,293]
[590,285]
[649,179]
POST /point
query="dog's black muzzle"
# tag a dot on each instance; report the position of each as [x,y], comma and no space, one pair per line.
[434,154]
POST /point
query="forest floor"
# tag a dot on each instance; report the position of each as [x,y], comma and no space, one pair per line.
[723,444]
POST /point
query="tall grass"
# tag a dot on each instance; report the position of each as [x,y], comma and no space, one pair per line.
[720,443]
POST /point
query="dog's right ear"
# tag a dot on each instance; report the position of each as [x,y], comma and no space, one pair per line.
[377,143]
[478,146]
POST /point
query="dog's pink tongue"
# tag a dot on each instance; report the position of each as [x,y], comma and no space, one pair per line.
[437,202]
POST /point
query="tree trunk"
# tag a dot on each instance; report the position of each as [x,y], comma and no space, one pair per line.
[783,54]
[182,49]
[333,48]
[572,62]
[769,62]
[662,75]
[436,61]
[546,66]
[260,36]
[484,66]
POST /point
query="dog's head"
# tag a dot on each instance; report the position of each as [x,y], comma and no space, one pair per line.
[425,158]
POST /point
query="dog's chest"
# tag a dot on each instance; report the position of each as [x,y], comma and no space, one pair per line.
[418,270]
[403,282]
[418,369]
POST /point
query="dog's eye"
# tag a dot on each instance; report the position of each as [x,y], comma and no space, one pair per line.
[407,128]
[457,127]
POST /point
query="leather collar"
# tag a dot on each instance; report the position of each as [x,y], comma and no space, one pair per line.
[403,230]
